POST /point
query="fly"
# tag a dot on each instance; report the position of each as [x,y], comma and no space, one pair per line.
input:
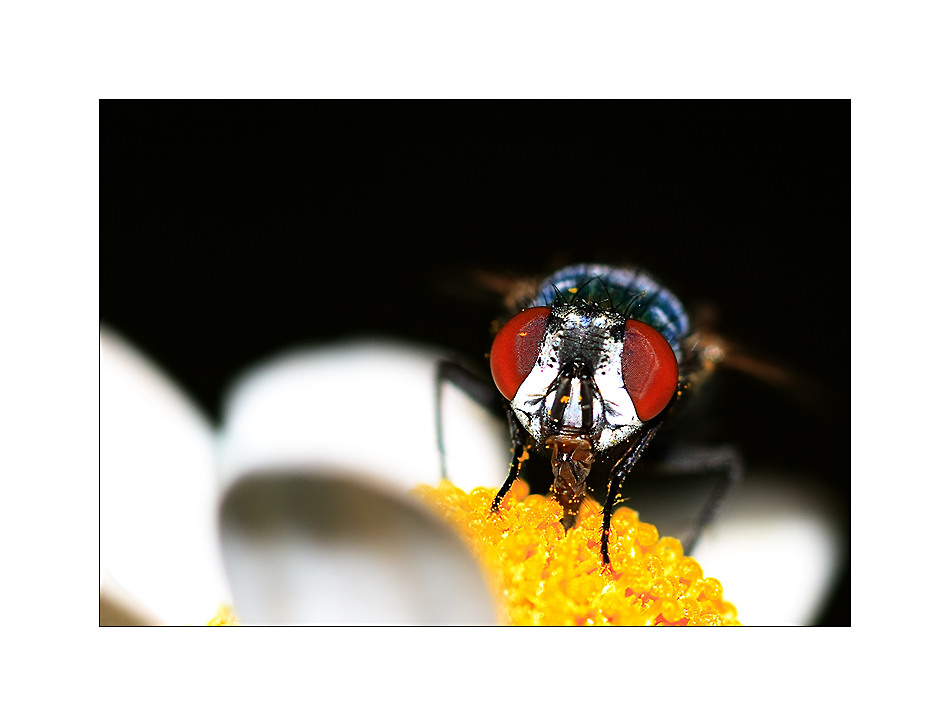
[590,363]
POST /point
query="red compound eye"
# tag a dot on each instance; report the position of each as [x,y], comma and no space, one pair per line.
[649,369]
[515,349]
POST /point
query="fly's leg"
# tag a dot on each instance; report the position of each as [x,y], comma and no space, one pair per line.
[723,462]
[477,388]
[617,475]
[487,395]
[517,456]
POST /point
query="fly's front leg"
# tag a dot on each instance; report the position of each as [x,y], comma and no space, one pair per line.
[617,475]
[518,441]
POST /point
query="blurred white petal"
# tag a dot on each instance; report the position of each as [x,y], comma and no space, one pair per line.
[323,546]
[777,549]
[157,493]
[319,451]
[367,407]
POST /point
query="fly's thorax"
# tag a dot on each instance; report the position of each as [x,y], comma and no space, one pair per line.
[576,386]
[627,290]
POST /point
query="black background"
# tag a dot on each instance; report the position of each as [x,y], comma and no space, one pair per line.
[232,231]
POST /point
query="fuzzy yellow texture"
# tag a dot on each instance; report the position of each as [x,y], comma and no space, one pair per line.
[545,576]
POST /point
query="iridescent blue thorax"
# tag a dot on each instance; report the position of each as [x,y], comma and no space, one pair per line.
[627,291]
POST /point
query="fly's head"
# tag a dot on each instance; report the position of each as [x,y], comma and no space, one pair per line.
[581,379]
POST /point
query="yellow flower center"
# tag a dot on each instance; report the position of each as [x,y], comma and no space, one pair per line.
[546,576]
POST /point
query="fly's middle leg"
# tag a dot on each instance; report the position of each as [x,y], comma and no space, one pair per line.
[477,388]
[723,463]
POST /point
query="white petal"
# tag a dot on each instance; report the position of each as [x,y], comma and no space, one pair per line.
[158,494]
[319,450]
[363,406]
[328,548]
[777,549]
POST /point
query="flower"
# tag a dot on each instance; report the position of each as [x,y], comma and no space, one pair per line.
[301,509]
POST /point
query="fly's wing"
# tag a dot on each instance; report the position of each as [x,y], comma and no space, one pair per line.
[808,392]
[707,351]
[486,287]
[710,352]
